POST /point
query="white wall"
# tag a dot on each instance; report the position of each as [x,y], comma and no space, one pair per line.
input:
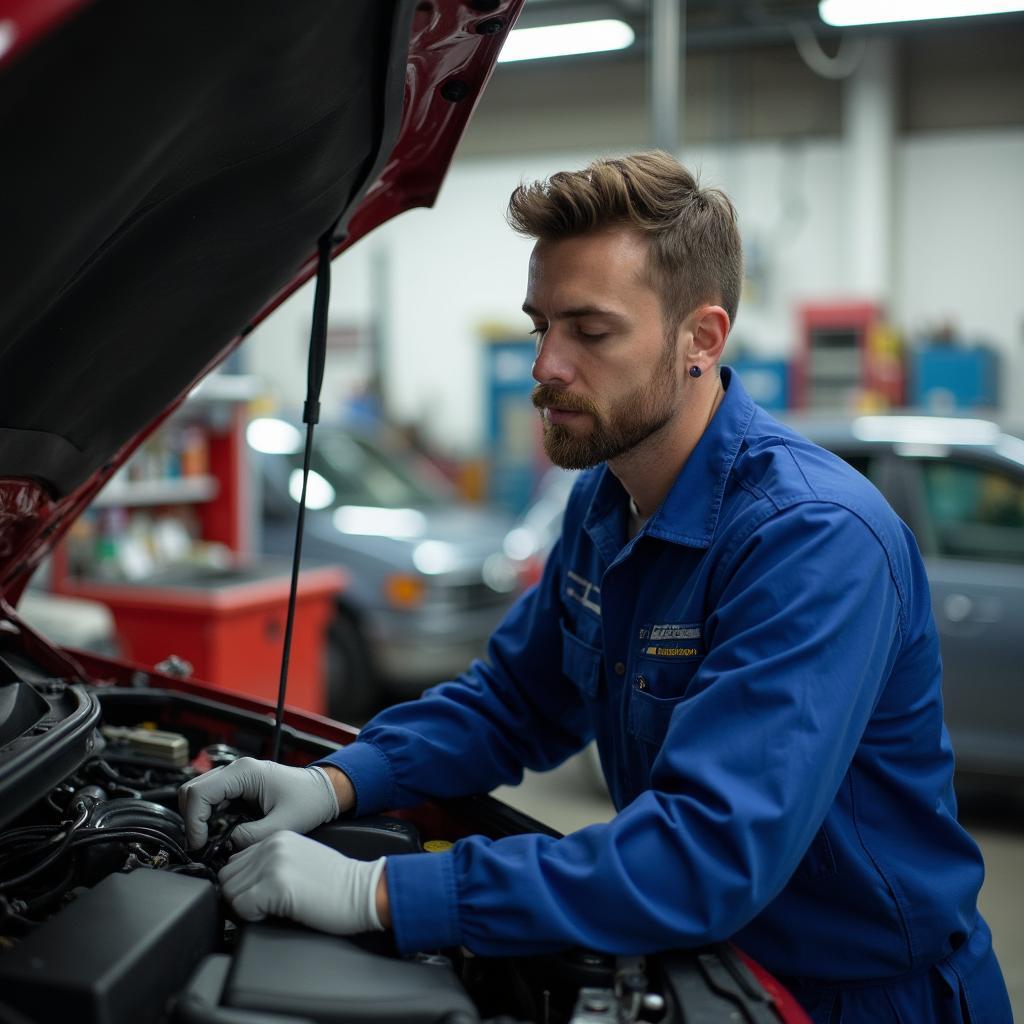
[959,256]
[960,248]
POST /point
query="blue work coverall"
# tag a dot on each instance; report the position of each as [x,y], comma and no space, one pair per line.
[760,669]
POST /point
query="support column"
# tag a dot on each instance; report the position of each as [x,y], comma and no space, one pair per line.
[869,135]
[667,72]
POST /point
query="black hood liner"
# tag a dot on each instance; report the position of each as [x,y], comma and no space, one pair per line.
[167,169]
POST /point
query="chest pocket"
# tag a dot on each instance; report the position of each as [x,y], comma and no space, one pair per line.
[659,686]
[581,662]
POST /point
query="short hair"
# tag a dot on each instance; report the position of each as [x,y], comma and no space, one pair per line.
[694,250]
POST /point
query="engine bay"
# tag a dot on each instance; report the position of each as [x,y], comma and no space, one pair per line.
[106,916]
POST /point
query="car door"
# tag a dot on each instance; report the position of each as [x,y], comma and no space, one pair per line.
[969,521]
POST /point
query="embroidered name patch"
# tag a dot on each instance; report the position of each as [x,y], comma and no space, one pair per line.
[672,652]
[579,588]
[672,640]
[670,631]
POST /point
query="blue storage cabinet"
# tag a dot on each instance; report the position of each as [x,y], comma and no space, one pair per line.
[513,426]
[945,376]
[766,381]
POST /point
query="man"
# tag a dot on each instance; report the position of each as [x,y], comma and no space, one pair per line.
[737,617]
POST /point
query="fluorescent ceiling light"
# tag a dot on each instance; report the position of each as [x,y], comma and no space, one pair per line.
[877,12]
[563,40]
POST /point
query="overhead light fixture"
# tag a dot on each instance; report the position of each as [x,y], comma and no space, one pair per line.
[843,13]
[566,40]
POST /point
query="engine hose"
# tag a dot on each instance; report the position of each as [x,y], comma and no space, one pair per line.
[55,855]
[87,837]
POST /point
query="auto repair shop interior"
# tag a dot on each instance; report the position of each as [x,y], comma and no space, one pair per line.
[876,166]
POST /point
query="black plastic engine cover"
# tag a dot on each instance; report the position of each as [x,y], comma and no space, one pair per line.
[116,954]
[369,837]
[330,980]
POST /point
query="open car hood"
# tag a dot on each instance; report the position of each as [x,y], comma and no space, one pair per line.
[168,170]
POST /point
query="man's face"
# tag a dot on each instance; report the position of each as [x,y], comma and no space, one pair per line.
[607,375]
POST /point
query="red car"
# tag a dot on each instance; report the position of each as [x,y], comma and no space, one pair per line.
[171,173]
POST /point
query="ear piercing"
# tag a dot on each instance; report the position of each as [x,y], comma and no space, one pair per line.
[694,371]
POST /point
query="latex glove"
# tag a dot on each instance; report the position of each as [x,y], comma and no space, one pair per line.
[290,798]
[289,875]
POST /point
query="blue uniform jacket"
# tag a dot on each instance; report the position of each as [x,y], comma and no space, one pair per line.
[760,668]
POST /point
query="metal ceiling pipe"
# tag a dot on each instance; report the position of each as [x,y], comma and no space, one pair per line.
[666,63]
[869,144]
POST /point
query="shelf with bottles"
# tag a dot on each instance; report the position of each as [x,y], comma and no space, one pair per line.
[122,544]
[172,467]
[136,493]
[181,501]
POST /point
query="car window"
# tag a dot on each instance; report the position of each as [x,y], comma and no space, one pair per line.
[361,474]
[977,512]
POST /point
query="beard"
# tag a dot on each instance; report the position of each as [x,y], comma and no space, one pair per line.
[630,421]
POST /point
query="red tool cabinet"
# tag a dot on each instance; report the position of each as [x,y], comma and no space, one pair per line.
[229,627]
[226,619]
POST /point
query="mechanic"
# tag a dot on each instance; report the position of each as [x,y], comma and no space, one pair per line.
[735,615]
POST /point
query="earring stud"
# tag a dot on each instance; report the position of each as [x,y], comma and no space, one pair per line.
[695,371]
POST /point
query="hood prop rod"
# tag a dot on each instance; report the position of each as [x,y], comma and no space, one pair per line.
[310,416]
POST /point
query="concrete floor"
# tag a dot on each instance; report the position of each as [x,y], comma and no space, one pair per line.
[566,800]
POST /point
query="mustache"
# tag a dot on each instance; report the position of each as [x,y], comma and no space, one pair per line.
[546,396]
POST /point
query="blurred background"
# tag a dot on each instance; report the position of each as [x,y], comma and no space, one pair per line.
[878,172]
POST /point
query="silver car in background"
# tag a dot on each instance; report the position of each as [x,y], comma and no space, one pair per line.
[958,483]
[428,577]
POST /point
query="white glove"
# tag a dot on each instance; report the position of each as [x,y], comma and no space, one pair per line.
[290,798]
[288,875]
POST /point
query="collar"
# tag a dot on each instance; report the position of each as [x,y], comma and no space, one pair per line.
[689,513]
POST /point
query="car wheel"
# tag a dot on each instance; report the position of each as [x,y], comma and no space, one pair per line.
[351,687]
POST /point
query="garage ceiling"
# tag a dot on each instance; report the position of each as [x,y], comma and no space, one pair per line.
[717,23]
[745,79]
[708,22]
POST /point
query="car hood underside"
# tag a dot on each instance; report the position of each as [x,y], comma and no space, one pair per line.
[170,167]
[168,172]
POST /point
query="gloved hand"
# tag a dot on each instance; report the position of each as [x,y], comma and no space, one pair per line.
[288,875]
[290,798]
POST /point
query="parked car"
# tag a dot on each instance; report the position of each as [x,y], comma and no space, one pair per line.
[537,529]
[171,173]
[958,483]
[428,577]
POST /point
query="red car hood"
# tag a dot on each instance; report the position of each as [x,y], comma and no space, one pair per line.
[168,170]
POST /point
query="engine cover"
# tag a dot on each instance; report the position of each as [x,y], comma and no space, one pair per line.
[332,981]
[118,953]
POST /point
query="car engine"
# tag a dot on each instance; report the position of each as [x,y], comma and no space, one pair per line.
[107,917]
